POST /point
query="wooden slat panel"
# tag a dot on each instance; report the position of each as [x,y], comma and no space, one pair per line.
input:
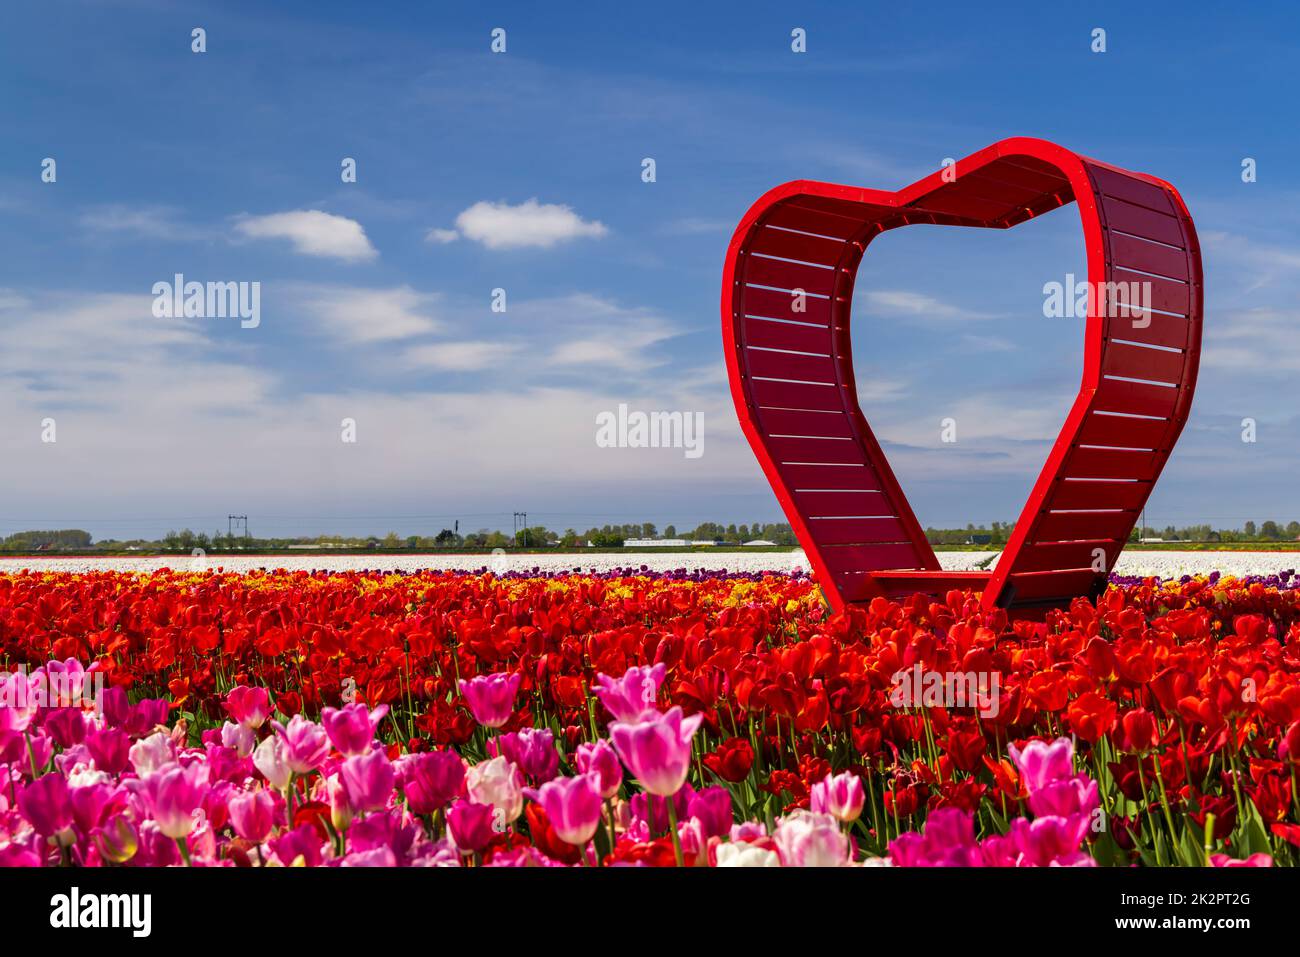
[1132,190]
[1167,295]
[795,395]
[854,531]
[1141,221]
[837,451]
[789,365]
[955,201]
[1036,557]
[781,305]
[870,557]
[1032,587]
[1066,526]
[813,221]
[844,207]
[784,275]
[1155,328]
[1135,397]
[1099,494]
[785,335]
[853,586]
[1135,362]
[1129,252]
[1121,431]
[816,504]
[1040,179]
[787,245]
[814,477]
[1008,194]
[787,422]
[1109,463]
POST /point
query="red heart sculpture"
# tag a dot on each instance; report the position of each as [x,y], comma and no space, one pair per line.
[786,296]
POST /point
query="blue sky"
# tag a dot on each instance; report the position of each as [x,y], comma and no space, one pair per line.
[376,295]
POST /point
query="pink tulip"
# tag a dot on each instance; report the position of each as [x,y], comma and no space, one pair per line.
[499,783]
[657,750]
[491,698]
[631,699]
[248,706]
[252,814]
[572,805]
[840,795]
[109,748]
[470,825]
[269,758]
[351,729]
[431,779]
[805,839]
[368,781]
[1041,763]
[118,840]
[299,847]
[306,745]
[712,808]
[174,794]
[239,738]
[601,758]
[46,805]
[532,749]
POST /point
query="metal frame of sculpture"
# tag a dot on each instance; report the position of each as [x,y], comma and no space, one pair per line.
[787,294]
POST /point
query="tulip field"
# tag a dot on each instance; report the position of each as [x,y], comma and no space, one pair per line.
[463,719]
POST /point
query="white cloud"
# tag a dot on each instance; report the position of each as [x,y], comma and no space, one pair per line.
[313,233]
[502,226]
[459,356]
[442,236]
[899,302]
[151,222]
[355,315]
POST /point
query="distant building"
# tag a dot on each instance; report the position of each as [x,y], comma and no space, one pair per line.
[655,543]
[760,543]
[701,543]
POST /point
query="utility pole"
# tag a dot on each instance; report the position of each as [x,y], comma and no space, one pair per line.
[521,521]
[231,521]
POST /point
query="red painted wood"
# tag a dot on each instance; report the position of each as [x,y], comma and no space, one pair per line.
[1136,229]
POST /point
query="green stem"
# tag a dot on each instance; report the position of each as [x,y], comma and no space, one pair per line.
[672,826]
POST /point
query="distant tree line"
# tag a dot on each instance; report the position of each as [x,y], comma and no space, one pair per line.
[994,535]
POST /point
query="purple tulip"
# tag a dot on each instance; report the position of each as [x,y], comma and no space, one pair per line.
[572,805]
[351,729]
[491,698]
[306,746]
[657,750]
[431,780]
[631,699]
[601,758]
[368,781]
